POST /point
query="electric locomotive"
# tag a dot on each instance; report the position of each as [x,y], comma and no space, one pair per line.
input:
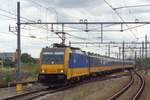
[62,64]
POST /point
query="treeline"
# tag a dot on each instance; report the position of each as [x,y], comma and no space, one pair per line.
[25,58]
[145,62]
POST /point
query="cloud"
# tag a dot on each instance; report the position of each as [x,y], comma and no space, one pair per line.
[71,10]
[72,3]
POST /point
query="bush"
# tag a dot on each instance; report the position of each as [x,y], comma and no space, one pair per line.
[7,78]
[143,62]
[9,63]
[26,58]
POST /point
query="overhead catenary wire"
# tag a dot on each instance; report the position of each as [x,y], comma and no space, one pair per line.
[38,4]
[11,13]
[13,18]
[119,16]
[134,6]
[75,37]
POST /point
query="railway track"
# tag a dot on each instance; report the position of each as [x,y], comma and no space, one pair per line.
[122,91]
[140,89]
[39,93]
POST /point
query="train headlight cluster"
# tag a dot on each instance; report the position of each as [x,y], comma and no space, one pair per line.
[62,71]
[43,71]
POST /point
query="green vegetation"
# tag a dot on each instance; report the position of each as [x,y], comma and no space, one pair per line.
[26,58]
[29,64]
[7,78]
[77,98]
[6,70]
[29,70]
[28,67]
[9,63]
[143,62]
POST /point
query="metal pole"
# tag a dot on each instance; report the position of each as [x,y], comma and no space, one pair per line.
[18,42]
[70,43]
[140,52]
[135,58]
[146,46]
[119,52]
[109,50]
[142,49]
[123,55]
[101,33]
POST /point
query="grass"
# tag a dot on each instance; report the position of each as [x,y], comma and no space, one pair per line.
[6,69]
[30,73]
[7,78]
[77,98]
[30,67]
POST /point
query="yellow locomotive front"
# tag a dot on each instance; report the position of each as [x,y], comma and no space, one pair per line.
[54,62]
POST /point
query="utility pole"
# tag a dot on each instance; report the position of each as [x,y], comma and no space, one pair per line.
[109,50]
[119,52]
[142,49]
[135,58]
[146,46]
[140,52]
[101,33]
[18,42]
[123,55]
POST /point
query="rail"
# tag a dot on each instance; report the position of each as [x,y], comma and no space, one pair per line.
[128,85]
[42,92]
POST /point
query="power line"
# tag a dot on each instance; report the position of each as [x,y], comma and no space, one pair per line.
[119,16]
[132,6]
[71,27]
[8,12]
[36,3]
[130,13]
[134,27]
[55,11]
[8,16]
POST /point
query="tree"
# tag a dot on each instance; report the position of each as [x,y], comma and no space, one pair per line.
[9,63]
[26,58]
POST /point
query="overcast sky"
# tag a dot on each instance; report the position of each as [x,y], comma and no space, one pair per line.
[67,11]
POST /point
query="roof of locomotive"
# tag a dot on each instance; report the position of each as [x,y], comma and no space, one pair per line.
[74,49]
[60,47]
[55,45]
[47,49]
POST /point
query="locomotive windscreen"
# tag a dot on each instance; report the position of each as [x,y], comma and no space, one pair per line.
[53,57]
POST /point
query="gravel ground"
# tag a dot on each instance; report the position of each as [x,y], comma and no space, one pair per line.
[127,95]
[146,93]
[10,91]
[100,90]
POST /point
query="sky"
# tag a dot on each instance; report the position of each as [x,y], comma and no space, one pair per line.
[69,11]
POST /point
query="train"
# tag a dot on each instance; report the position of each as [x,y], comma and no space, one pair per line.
[63,64]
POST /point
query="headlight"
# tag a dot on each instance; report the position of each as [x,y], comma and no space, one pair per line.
[62,71]
[43,71]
